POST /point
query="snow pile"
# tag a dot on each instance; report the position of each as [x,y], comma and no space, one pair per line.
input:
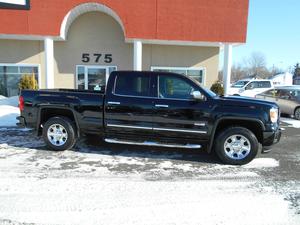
[8,111]
[262,163]
[291,122]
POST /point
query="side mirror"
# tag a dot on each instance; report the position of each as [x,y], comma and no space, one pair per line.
[198,96]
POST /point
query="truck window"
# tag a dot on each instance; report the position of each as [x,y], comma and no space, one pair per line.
[265,84]
[133,85]
[173,87]
[258,84]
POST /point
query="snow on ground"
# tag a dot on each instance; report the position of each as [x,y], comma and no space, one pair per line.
[8,111]
[86,187]
[292,122]
[262,163]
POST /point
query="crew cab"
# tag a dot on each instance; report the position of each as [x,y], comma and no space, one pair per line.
[250,87]
[154,109]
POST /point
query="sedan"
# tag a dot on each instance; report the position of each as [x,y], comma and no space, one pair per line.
[287,97]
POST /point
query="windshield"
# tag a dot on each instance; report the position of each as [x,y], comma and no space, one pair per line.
[240,84]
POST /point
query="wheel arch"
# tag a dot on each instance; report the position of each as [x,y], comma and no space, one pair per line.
[298,107]
[46,113]
[254,125]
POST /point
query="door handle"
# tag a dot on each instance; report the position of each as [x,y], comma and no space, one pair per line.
[162,106]
[114,103]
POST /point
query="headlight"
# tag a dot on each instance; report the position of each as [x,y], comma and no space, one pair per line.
[274,115]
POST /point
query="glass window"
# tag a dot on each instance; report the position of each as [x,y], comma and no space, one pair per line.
[258,84]
[137,85]
[174,87]
[10,76]
[195,73]
[11,69]
[271,93]
[264,84]
[240,84]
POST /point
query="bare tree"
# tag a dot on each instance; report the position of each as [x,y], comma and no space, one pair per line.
[256,65]
[238,72]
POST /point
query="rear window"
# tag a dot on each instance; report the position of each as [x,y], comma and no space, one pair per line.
[133,85]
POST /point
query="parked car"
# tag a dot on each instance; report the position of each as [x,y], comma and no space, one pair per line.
[153,109]
[288,99]
[250,87]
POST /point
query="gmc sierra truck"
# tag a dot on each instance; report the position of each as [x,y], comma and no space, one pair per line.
[154,109]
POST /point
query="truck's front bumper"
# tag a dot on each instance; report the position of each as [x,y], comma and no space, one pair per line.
[270,138]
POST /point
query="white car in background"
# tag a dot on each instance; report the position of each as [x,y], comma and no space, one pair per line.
[250,87]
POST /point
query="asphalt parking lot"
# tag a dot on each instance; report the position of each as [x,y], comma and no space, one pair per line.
[97,183]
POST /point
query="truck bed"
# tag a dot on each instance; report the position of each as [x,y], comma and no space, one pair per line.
[85,106]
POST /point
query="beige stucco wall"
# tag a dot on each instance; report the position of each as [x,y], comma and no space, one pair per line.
[97,32]
[90,33]
[183,56]
[23,52]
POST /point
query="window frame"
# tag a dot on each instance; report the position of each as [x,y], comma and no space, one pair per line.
[85,67]
[203,69]
[38,66]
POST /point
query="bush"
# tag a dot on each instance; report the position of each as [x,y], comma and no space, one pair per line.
[218,88]
[28,82]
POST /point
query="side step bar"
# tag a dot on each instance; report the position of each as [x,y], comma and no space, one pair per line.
[149,143]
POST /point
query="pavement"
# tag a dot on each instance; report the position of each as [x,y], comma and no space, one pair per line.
[98,183]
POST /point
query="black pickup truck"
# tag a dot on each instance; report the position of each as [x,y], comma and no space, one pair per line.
[154,109]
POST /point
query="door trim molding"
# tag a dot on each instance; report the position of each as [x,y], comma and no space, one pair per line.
[131,127]
[180,130]
[157,129]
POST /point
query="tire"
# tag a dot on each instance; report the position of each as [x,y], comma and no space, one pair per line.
[59,133]
[297,113]
[236,146]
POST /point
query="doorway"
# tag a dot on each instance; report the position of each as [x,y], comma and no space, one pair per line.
[93,78]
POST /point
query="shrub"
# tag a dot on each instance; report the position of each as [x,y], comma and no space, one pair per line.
[218,88]
[28,81]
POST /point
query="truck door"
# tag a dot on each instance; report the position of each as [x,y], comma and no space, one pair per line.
[176,113]
[129,105]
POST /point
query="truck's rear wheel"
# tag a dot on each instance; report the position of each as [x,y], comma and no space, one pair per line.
[59,133]
[236,146]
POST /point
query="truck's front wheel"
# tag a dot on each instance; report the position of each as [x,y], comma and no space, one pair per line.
[236,146]
[59,133]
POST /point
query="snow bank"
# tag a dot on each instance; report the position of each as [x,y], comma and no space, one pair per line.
[8,111]
[12,101]
[292,122]
[262,163]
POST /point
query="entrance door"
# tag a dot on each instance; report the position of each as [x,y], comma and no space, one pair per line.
[93,77]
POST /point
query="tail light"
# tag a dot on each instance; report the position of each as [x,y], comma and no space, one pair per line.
[21,103]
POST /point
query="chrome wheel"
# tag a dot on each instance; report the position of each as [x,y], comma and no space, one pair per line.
[237,147]
[57,135]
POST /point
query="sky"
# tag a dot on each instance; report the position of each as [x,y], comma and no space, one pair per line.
[274,30]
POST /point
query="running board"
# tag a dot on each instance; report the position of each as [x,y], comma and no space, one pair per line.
[149,143]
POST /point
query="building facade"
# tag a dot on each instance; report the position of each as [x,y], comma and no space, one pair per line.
[77,43]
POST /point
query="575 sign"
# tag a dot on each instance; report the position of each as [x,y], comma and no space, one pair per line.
[96,58]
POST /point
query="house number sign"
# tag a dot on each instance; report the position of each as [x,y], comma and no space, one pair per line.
[96,58]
